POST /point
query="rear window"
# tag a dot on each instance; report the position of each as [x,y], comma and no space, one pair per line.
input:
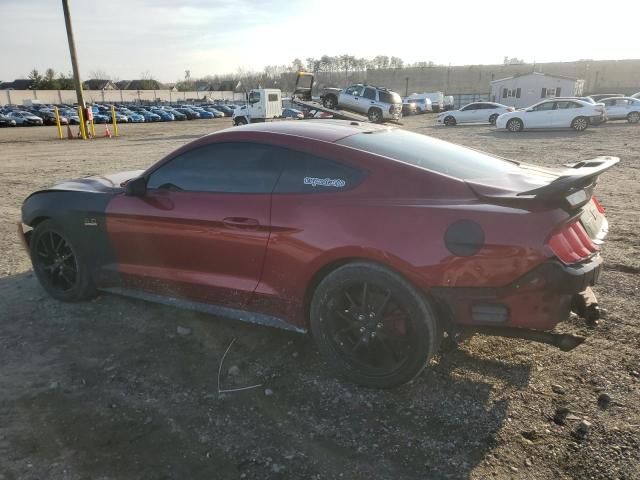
[432,154]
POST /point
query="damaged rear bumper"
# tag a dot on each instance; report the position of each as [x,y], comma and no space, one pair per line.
[537,301]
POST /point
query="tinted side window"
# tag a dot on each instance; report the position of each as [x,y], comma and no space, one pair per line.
[223,167]
[544,106]
[306,173]
[369,93]
[388,97]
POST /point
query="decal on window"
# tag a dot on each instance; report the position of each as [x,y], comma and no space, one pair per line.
[325,182]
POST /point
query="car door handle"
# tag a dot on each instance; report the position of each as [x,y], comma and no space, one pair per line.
[241,222]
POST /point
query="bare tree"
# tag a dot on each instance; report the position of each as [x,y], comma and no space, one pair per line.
[99,74]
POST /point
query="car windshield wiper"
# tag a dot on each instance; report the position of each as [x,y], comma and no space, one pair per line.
[170,186]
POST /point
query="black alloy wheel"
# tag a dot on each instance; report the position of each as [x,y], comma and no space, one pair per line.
[58,265]
[372,326]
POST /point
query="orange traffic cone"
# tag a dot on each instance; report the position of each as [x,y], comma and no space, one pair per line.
[107,133]
[69,132]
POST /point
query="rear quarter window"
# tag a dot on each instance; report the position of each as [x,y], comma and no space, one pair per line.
[306,173]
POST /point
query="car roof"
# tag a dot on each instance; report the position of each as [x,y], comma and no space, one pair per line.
[322,130]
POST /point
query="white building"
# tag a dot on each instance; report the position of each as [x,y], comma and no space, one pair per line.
[524,90]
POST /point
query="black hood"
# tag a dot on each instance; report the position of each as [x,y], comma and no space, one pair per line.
[110,183]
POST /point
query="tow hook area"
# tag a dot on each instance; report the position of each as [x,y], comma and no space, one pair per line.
[564,341]
[585,305]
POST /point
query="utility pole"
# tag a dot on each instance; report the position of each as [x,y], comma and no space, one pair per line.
[72,51]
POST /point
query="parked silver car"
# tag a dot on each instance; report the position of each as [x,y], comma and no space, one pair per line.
[622,108]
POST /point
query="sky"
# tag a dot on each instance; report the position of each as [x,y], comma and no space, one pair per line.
[163,38]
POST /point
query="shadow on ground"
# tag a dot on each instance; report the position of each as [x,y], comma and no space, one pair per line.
[110,389]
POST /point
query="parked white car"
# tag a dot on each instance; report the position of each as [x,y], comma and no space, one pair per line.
[476,112]
[553,113]
[622,108]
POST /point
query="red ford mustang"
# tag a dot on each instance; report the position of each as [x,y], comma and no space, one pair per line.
[375,239]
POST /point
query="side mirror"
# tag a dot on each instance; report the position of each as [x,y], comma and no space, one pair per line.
[136,187]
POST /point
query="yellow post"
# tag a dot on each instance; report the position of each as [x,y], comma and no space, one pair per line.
[58,123]
[83,127]
[93,129]
[115,123]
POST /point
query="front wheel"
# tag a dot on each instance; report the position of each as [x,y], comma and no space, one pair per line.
[450,121]
[330,102]
[375,115]
[372,326]
[633,117]
[515,125]
[58,264]
[241,121]
[580,123]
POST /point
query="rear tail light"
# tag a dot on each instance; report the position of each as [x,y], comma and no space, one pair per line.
[597,204]
[572,244]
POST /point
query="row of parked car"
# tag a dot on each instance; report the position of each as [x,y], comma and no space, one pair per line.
[560,112]
[37,115]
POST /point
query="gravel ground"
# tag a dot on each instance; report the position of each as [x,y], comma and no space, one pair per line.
[121,389]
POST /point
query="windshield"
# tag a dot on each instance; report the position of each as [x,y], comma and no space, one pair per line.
[432,154]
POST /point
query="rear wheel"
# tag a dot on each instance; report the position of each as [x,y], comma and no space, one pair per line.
[515,125]
[449,121]
[580,123]
[633,117]
[375,115]
[58,264]
[493,118]
[372,326]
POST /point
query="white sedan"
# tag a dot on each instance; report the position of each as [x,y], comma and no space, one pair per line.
[553,113]
[622,108]
[477,112]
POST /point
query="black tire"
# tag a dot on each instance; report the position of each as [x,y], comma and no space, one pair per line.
[493,118]
[58,263]
[372,326]
[580,124]
[330,101]
[241,121]
[450,121]
[633,117]
[515,125]
[375,115]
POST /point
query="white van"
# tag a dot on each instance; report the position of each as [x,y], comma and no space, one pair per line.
[437,99]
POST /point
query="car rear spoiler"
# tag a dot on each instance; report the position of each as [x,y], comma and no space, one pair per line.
[574,185]
[586,172]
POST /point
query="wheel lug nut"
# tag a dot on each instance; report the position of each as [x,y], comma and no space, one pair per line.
[373,334]
[372,315]
[362,329]
[379,325]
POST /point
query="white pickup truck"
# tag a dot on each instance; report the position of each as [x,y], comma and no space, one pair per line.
[262,104]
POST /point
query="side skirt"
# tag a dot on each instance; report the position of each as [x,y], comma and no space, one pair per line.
[250,317]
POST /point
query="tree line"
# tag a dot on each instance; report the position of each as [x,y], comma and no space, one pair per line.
[338,69]
[50,80]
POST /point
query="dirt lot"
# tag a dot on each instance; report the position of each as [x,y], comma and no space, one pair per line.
[110,389]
